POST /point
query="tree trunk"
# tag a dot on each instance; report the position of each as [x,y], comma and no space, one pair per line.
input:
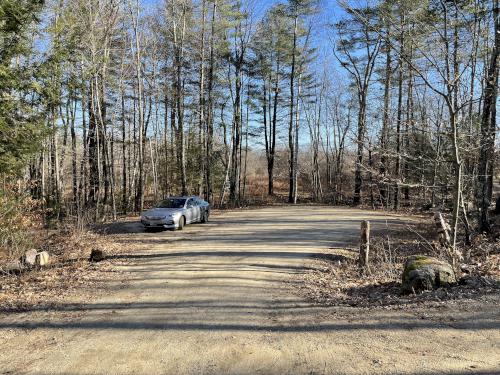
[291,143]
[201,104]
[210,109]
[399,120]
[124,155]
[385,123]
[272,152]
[296,143]
[74,169]
[488,130]
[236,136]
[139,199]
[358,178]
[94,180]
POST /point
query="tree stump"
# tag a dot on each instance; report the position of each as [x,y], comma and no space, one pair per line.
[42,259]
[29,258]
[443,230]
[364,247]
[97,255]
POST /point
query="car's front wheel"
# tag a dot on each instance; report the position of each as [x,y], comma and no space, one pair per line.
[182,223]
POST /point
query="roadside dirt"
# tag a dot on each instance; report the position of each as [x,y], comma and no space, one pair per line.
[222,298]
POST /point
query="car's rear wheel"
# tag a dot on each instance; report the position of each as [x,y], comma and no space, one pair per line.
[204,218]
[182,222]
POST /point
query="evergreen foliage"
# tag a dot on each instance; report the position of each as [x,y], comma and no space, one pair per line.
[21,126]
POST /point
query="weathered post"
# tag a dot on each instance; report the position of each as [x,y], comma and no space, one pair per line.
[364,247]
[443,229]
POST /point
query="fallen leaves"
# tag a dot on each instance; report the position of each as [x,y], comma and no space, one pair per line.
[338,283]
[69,273]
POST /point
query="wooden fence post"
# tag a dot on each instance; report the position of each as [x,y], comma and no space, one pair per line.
[364,247]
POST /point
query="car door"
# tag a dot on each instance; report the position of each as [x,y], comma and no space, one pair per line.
[190,211]
[203,207]
[196,210]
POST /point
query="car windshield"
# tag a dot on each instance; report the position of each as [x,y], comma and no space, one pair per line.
[172,203]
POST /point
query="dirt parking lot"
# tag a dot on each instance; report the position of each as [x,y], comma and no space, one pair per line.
[221,298]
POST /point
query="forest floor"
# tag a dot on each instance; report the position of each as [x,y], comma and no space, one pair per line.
[233,297]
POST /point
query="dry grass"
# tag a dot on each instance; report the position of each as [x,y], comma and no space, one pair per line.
[68,273]
[339,282]
[20,220]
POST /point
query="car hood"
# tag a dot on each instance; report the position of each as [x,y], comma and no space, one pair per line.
[161,211]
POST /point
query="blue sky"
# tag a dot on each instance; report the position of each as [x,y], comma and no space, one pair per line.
[329,13]
[329,9]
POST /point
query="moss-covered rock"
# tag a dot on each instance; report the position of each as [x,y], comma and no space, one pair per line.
[422,272]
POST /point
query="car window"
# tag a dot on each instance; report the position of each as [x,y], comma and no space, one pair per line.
[172,203]
[191,203]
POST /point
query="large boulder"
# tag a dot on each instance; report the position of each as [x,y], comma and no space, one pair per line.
[422,272]
[29,258]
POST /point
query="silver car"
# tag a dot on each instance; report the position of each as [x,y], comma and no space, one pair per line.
[176,212]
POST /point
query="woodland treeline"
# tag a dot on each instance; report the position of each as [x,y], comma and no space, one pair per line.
[106,104]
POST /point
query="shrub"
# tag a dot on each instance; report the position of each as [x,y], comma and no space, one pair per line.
[17,219]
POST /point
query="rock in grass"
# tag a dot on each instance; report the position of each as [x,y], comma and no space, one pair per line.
[14,267]
[96,255]
[29,258]
[42,259]
[422,272]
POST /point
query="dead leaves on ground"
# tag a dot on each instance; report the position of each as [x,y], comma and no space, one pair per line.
[339,283]
[68,277]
